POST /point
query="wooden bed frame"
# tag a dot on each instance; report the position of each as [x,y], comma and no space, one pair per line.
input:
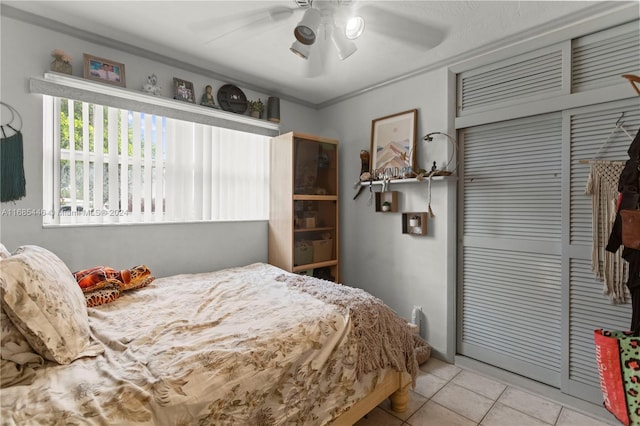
[395,386]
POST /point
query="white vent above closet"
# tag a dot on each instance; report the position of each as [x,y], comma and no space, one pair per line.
[598,60]
[521,77]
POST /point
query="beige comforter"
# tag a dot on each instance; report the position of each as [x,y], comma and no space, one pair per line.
[242,346]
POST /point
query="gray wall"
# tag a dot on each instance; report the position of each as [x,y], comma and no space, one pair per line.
[403,270]
[167,249]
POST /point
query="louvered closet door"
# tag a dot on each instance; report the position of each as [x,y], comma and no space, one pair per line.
[589,307]
[528,300]
[510,299]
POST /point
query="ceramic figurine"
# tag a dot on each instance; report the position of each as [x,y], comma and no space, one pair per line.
[151,86]
[207,98]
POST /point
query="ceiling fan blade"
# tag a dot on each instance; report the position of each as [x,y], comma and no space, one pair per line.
[402,28]
[237,28]
[228,25]
[316,65]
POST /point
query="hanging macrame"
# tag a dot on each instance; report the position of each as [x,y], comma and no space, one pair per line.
[602,185]
[12,180]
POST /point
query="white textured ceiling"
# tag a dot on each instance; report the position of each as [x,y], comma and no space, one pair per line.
[239,40]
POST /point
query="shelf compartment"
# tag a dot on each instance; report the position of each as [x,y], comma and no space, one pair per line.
[387,196]
[299,268]
[414,223]
[315,168]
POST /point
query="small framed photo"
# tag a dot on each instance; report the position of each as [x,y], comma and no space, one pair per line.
[104,70]
[393,142]
[183,90]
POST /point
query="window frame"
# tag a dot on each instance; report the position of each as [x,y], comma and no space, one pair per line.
[79,90]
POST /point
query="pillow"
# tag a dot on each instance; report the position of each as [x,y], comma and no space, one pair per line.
[103,284]
[136,277]
[103,295]
[44,302]
[101,276]
[96,278]
[18,361]
[4,253]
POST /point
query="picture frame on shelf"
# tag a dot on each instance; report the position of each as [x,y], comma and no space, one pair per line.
[183,90]
[103,70]
[393,141]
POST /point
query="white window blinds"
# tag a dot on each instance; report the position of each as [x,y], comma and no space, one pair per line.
[111,165]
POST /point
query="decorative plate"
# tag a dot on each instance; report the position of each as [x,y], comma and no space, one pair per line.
[231,98]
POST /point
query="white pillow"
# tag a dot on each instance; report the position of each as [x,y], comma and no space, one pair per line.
[4,253]
[45,303]
[18,361]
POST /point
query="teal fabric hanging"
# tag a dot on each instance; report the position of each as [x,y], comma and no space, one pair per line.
[12,180]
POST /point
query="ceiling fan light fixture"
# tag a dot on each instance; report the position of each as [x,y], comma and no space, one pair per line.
[354,27]
[301,50]
[307,29]
[345,47]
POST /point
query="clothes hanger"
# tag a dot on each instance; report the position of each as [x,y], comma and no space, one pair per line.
[634,80]
[619,126]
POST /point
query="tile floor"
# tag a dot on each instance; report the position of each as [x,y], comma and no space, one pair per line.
[449,395]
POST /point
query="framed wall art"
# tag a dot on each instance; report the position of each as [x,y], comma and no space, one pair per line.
[393,142]
[104,70]
[183,90]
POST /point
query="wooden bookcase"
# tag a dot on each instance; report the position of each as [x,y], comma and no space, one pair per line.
[303,217]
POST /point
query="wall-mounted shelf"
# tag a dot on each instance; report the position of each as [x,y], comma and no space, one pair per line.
[409,180]
[66,86]
[387,196]
[414,223]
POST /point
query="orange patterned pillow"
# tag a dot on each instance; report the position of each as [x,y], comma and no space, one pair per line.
[104,295]
[102,284]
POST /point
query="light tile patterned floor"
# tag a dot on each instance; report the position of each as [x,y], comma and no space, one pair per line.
[448,395]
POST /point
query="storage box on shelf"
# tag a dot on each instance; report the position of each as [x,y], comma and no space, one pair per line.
[304,205]
[303,254]
[322,250]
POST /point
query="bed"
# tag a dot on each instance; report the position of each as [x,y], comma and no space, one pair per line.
[251,345]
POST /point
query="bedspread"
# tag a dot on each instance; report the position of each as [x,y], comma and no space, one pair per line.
[233,347]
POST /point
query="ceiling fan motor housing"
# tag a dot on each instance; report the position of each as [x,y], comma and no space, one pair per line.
[303,3]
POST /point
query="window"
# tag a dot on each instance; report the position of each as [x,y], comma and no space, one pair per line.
[104,164]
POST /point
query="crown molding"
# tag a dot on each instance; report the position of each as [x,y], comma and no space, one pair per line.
[53,25]
[599,16]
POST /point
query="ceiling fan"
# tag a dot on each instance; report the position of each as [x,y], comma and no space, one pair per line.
[326,18]
[335,25]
